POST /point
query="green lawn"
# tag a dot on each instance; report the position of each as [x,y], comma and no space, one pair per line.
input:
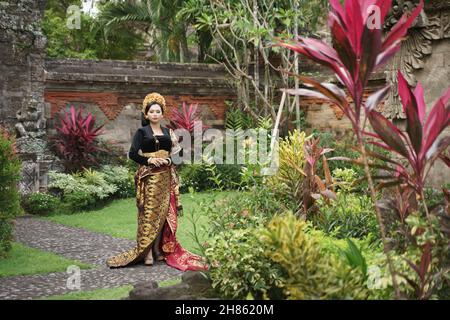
[106,294]
[119,218]
[99,294]
[23,260]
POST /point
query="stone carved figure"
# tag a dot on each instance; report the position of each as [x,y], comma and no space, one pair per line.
[432,24]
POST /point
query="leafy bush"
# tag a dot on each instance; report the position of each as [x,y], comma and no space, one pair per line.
[90,181]
[120,177]
[89,42]
[194,176]
[349,216]
[342,147]
[251,210]
[284,260]
[239,266]
[131,165]
[6,237]
[236,119]
[288,180]
[203,177]
[40,203]
[9,193]
[380,281]
[91,188]
[309,271]
[80,200]
[344,179]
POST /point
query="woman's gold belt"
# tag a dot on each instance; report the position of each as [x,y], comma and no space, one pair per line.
[157,154]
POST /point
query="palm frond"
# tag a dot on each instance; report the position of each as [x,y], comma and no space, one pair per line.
[114,14]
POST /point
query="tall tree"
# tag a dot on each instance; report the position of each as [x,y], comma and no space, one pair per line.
[85,43]
[157,18]
[243,31]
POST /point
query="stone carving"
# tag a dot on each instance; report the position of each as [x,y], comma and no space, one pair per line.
[22,101]
[30,177]
[432,24]
[31,122]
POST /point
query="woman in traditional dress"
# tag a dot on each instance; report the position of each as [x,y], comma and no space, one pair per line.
[157,194]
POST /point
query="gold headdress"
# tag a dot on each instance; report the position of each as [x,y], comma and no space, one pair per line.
[154,97]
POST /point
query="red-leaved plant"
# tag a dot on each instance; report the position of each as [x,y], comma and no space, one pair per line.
[313,187]
[75,143]
[358,49]
[417,149]
[185,118]
[421,145]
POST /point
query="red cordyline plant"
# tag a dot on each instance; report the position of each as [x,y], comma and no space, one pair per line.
[185,118]
[422,143]
[75,143]
[419,147]
[358,49]
[313,186]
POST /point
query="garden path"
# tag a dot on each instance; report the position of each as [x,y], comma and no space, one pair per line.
[76,244]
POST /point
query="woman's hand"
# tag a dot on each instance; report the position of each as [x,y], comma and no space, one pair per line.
[158,161]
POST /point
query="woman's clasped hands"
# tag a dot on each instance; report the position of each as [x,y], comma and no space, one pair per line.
[158,161]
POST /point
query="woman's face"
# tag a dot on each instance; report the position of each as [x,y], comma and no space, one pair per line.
[154,113]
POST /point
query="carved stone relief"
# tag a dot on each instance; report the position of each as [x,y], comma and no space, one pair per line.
[432,24]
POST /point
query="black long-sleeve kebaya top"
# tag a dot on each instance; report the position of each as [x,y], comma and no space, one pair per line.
[144,140]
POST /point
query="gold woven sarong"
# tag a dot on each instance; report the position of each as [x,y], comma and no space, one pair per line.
[152,199]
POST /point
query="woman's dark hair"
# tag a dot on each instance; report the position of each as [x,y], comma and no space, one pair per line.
[145,121]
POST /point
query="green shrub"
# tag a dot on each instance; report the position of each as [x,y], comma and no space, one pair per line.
[349,216]
[9,194]
[379,278]
[239,266]
[310,272]
[89,181]
[80,200]
[41,203]
[284,259]
[253,209]
[344,179]
[230,174]
[288,180]
[193,176]
[120,177]
[201,176]
[342,147]
[6,237]
[131,165]
[90,188]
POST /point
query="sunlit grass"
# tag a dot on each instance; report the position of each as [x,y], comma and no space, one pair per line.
[23,260]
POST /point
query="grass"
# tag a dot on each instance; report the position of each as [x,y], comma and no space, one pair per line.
[106,294]
[170,282]
[119,218]
[99,294]
[23,260]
